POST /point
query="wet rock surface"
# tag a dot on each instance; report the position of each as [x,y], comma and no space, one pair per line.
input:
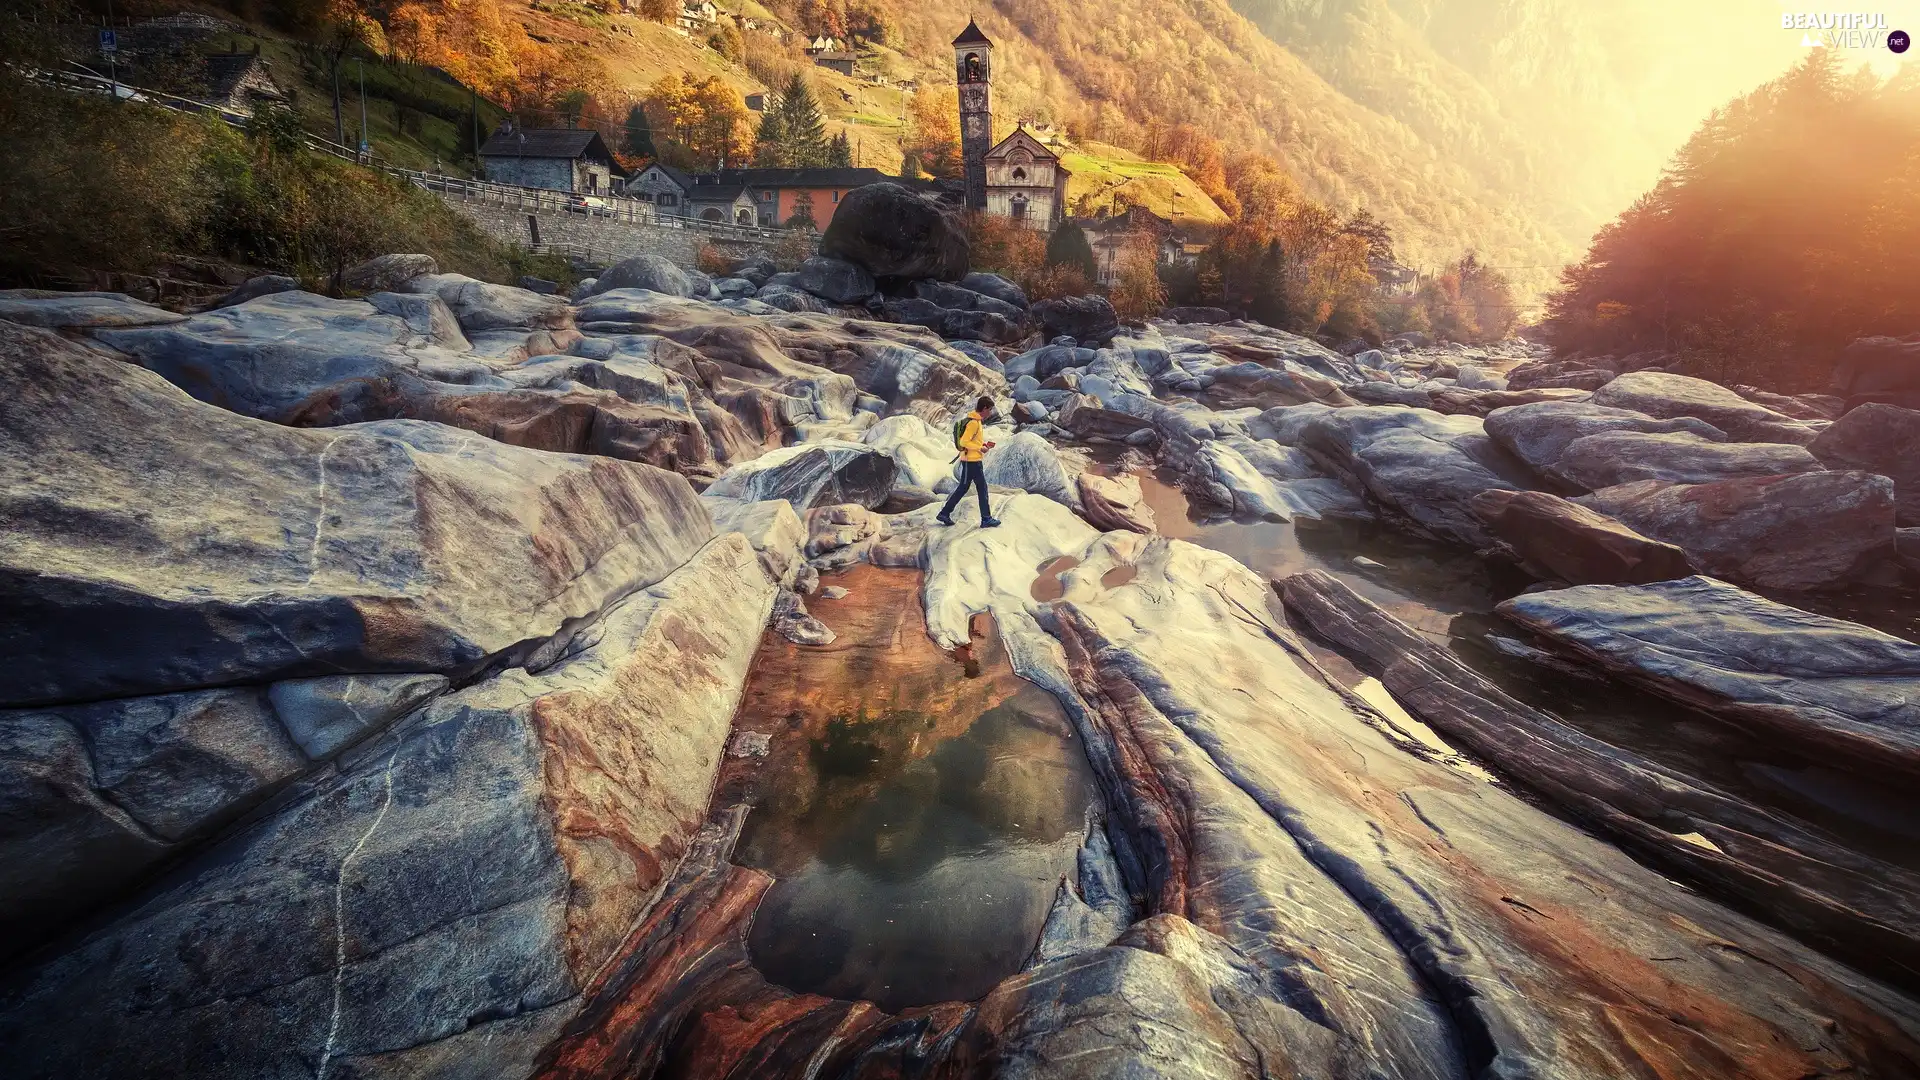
[1557,540]
[1817,530]
[1831,687]
[1883,439]
[456,783]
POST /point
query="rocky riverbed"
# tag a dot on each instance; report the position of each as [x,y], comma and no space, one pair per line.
[456,681]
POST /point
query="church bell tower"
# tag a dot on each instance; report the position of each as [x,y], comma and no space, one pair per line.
[973,68]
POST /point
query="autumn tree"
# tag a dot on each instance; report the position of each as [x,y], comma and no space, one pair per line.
[698,125]
[933,132]
[1137,293]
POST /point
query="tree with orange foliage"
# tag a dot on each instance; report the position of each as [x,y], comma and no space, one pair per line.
[933,135]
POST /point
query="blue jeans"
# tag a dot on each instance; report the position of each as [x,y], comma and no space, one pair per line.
[973,474]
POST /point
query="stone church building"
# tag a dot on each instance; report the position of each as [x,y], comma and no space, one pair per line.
[1026,182]
[1019,178]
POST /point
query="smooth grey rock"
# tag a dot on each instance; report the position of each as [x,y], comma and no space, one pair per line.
[1557,540]
[539,285]
[778,535]
[471,873]
[80,310]
[1622,457]
[481,306]
[388,273]
[647,271]
[1089,320]
[820,474]
[326,715]
[790,298]
[1817,530]
[1421,466]
[1031,411]
[1028,462]
[1663,395]
[254,287]
[960,298]
[1830,690]
[735,288]
[1882,439]
[397,546]
[835,280]
[997,287]
[1539,433]
[979,354]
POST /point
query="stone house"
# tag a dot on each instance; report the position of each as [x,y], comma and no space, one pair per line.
[842,62]
[1026,182]
[561,159]
[733,204]
[239,82]
[1111,235]
[662,185]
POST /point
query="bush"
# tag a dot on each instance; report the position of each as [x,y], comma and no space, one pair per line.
[711,261]
[1137,293]
[1002,247]
[1056,282]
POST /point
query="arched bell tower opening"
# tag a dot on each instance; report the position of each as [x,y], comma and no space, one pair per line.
[973,70]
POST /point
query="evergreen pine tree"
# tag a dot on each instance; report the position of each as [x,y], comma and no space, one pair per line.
[1270,287]
[639,134]
[804,131]
[802,215]
[840,152]
[769,146]
[1069,247]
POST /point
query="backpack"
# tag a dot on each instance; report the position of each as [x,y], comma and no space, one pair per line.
[959,429]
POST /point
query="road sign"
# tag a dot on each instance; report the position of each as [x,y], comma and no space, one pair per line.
[108,42]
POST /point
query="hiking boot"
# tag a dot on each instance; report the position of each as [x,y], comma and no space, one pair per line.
[944,519]
[989,523]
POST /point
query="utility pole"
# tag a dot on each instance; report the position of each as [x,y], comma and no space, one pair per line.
[363,107]
[113,53]
[473,105]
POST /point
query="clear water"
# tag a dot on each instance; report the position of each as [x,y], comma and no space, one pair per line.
[916,808]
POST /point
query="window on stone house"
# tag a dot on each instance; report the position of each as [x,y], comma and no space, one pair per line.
[1019,174]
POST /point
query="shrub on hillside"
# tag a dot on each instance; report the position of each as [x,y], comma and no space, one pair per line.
[87,185]
[711,261]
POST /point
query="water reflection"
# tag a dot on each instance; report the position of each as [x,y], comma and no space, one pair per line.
[916,808]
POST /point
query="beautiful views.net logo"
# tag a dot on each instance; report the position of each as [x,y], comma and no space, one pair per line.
[1845,30]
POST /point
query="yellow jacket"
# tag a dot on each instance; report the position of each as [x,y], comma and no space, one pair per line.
[973,439]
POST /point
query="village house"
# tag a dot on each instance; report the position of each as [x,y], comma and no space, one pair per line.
[697,15]
[842,62]
[560,159]
[662,185]
[239,82]
[1026,182]
[1112,235]
[767,198]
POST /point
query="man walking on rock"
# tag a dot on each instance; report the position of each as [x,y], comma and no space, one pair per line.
[971,438]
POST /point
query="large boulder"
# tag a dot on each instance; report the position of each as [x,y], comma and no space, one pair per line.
[1085,418]
[1422,467]
[1577,374]
[390,547]
[1623,457]
[835,280]
[645,271]
[387,273]
[1879,366]
[960,298]
[480,306]
[1665,395]
[997,287]
[1255,479]
[1088,320]
[445,896]
[1884,439]
[1562,541]
[1027,462]
[810,475]
[255,287]
[896,233]
[789,298]
[1540,432]
[1831,691]
[1813,530]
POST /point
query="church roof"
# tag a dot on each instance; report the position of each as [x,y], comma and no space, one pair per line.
[972,35]
[1021,137]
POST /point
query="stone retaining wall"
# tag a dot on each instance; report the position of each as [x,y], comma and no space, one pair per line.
[608,240]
